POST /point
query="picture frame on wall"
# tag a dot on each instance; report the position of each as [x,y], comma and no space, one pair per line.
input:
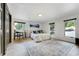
[36,25]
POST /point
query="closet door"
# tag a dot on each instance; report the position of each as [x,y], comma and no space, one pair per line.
[0,29]
[6,26]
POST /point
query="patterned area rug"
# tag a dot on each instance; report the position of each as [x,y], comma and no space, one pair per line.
[44,48]
[49,48]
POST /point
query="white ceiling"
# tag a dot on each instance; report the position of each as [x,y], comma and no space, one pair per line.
[30,11]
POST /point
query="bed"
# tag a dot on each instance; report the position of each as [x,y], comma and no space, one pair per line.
[40,36]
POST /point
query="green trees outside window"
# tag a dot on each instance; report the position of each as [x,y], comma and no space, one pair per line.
[19,26]
[70,24]
[70,28]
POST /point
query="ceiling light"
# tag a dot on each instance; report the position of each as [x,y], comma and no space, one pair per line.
[40,15]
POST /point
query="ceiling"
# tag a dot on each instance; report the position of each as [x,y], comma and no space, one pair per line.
[30,11]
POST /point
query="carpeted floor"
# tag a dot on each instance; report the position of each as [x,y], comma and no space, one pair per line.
[44,48]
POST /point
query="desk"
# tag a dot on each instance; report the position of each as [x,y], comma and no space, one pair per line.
[19,35]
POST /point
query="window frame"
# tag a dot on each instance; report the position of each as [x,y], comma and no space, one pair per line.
[19,22]
[53,28]
[64,25]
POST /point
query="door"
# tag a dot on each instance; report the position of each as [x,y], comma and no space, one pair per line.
[6,27]
[0,29]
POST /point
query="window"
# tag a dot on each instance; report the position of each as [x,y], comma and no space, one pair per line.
[19,26]
[70,27]
[52,26]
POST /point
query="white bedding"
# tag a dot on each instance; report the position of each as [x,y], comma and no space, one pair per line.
[40,37]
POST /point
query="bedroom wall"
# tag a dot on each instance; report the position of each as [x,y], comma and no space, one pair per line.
[28,29]
[59,28]
[77,28]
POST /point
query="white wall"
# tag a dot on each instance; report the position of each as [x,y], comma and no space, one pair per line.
[46,28]
[59,28]
[28,29]
[77,28]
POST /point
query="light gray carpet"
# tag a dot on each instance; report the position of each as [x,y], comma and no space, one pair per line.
[49,48]
[44,48]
